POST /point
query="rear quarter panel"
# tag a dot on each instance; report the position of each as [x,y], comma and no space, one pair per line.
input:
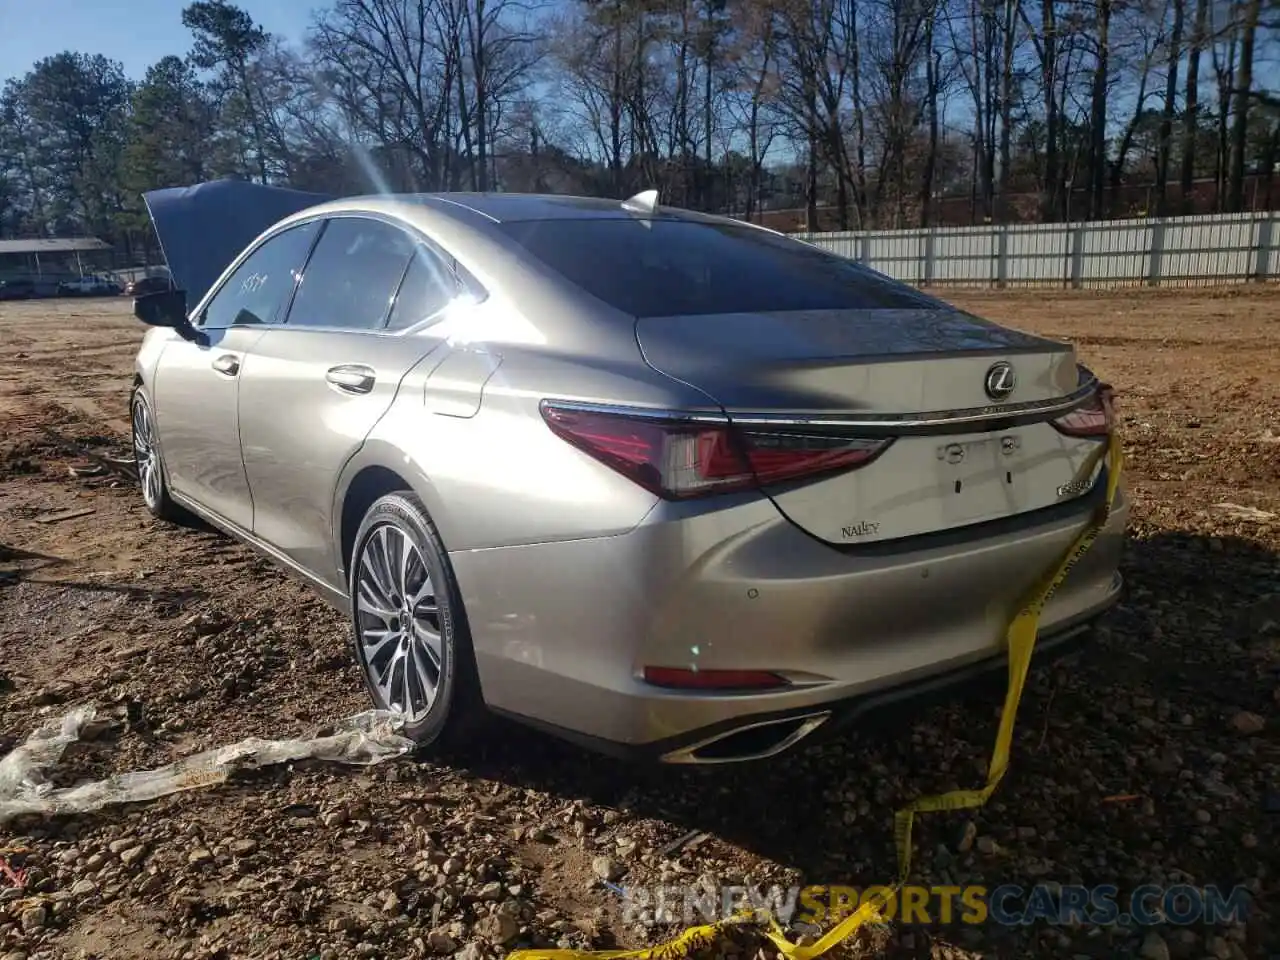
[467,434]
[499,476]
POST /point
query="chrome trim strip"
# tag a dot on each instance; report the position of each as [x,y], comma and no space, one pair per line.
[811,722]
[903,421]
[648,413]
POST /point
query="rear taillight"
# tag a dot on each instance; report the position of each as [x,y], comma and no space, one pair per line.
[678,460]
[1094,418]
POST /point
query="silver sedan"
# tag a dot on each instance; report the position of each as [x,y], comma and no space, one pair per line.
[664,483]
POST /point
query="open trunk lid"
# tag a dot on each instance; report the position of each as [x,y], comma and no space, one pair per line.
[202,228]
[961,411]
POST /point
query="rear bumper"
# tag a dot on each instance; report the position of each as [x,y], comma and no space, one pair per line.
[562,631]
[766,735]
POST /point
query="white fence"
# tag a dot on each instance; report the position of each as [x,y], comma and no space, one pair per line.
[1229,248]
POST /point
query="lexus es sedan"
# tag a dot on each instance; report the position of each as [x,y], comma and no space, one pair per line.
[663,483]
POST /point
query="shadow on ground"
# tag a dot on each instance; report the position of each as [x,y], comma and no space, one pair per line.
[1180,655]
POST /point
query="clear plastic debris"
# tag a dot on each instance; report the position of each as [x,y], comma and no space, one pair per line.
[364,739]
[1245,513]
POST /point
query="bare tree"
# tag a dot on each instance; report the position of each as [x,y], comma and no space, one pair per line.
[1191,119]
[1249,12]
[1098,106]
[1173,56]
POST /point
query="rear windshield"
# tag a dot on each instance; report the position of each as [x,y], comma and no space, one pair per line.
[659,268]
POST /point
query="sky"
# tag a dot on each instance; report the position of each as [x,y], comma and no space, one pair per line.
[135,32]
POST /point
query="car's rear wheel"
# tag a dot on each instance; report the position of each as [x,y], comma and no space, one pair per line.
[146,454]
[411,636]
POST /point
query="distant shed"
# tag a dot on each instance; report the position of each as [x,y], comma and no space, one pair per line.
[49,255]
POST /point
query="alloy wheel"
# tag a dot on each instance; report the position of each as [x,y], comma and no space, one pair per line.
[398,622]
[145,455]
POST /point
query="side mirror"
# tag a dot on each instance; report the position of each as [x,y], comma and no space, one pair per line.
[166,308]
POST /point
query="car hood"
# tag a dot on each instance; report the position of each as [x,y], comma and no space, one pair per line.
[203,228]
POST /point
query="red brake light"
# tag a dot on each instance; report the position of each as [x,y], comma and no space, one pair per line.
[684,678]
[678,460]
[1094,418]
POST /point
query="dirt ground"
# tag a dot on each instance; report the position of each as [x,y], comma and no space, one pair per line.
[1152,758]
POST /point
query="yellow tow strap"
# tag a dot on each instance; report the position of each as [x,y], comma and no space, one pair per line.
[1021,638]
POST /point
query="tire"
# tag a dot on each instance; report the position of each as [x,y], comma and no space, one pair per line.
[151,473]
[382,592]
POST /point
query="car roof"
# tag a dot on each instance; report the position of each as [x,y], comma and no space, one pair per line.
[514,207]
[216,222]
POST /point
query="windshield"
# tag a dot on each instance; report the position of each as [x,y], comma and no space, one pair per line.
[668,267]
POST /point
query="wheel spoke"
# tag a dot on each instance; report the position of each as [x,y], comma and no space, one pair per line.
[139,422]
[385,678]
[429,642]
[406,701]
[368,601]
[375,641]
[421,689]
[378,588]
[425,592]
[407,553]
[382,565]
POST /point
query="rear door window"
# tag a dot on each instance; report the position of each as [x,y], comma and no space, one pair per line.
[428,287]
[668,267]
[351,278]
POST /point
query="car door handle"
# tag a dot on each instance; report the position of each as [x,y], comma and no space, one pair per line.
[351,378]
[228,363]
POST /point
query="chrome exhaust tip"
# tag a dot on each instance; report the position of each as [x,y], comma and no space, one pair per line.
[752,741]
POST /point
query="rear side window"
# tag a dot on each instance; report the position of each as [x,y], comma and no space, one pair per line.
[658,268]
[428,287]
[352,275]
[259,288]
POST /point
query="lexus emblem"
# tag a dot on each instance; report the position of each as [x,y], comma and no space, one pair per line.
[1000,380]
